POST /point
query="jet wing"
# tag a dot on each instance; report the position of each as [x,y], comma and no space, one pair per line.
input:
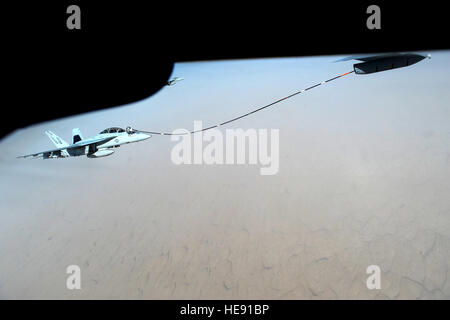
[82,143]
[369,57]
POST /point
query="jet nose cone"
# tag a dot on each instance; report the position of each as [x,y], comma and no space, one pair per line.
[144,136]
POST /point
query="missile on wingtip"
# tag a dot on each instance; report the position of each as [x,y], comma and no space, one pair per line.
[383,62]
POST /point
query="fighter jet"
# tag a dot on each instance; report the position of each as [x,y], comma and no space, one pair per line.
[101,145]
[382,62]
[172,81]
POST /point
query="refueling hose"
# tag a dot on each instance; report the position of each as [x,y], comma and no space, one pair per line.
[131,130]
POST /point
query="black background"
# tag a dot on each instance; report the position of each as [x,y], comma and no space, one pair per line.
[280,309]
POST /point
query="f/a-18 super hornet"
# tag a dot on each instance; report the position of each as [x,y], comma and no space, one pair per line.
[101,145]
[172,81]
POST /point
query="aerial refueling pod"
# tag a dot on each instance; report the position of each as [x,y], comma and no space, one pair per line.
[384,62]
[389,63]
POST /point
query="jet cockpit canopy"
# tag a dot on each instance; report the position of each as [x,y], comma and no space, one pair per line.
[113,130]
